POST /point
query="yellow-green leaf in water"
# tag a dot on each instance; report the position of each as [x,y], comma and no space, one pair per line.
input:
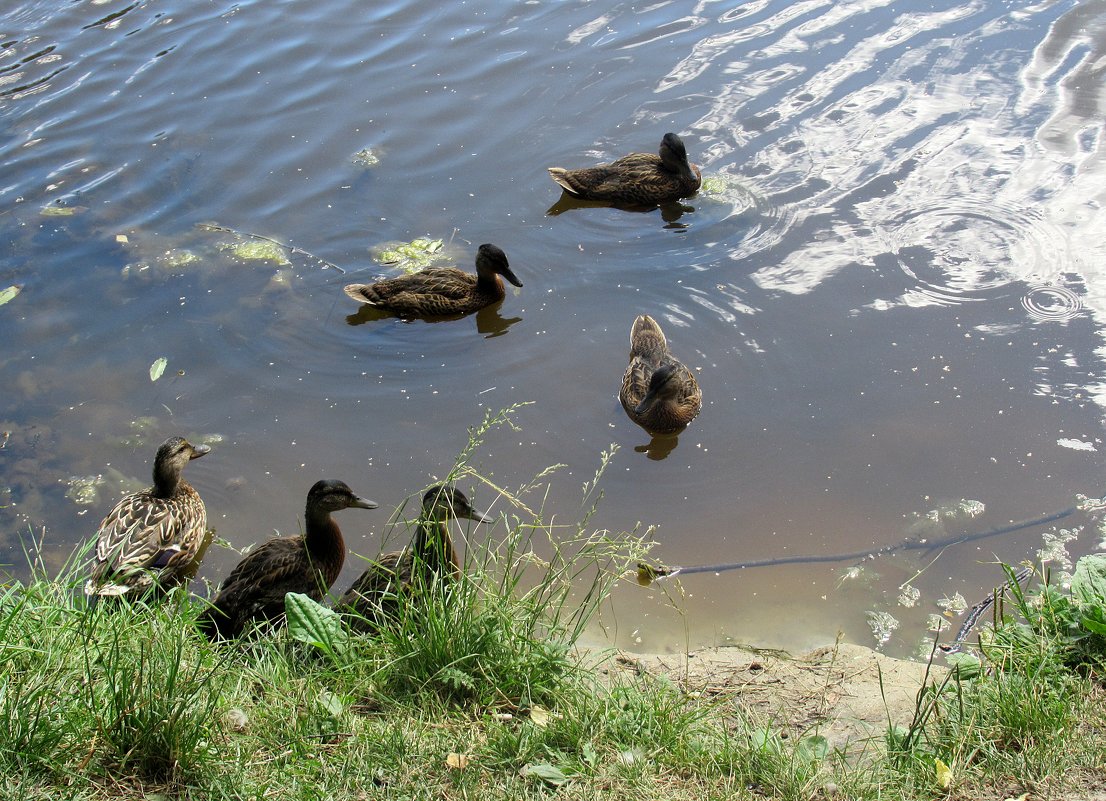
[157,368]
[714,185]
[179,258]
[366,157]
[258,250]
[411,256]
[944,774]
[9,293]
[58,211]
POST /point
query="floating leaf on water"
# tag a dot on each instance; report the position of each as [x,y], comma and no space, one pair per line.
[122,239]
[412,256]
[84,490]
[257,250]
[714,185]
[936,623]
[179,258]
[59,211]
[158,368]
[909,595]
[10,293]
[954,605]
[882,625]
[366,157]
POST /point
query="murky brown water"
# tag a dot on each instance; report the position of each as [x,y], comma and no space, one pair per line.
[891,287]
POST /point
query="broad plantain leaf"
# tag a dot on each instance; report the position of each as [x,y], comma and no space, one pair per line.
[1088,584]
[312,623]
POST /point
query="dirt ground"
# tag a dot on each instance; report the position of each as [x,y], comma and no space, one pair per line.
[834,691]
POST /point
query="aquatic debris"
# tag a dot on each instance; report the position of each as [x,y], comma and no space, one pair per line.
[1076,444]
[937,623]
[955,510]
[715,185]
[1056,546]
[908,596]
[882,625]
[366,157]
[418,254]
[178,258]
[954,605]
[84,490]
[158,368]
[9,294]
[257,250]
[60,211]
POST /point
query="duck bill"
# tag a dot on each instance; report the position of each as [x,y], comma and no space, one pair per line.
[199,450]
[480,517]
[646,402]
[363,503]
[510,276]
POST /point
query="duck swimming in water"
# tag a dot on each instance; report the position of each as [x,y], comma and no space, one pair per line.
[375,595]
[308,564]
[639,179]
[658,392]
[441,291]
[153,537]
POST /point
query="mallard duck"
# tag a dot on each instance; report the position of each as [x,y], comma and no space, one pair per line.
[431,555]
[308,564]
[153,536]
[639,179]
[440,291]
[658,392]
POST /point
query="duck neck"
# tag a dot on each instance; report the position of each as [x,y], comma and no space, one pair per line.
[324,543]
[167,480]
[433,547]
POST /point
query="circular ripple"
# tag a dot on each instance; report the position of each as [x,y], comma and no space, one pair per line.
[956,253]
[1052,303]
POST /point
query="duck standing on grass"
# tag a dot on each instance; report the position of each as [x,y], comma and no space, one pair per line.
[375,595]
[153,537]
[658,392]
[639,179]
[308,564]
[441,291]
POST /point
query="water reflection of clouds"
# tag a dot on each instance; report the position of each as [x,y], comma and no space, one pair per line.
[959,193]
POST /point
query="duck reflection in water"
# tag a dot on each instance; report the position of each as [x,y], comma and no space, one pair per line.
[489,321]
[670,212]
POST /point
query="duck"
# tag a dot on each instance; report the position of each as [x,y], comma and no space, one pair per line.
[308,564]
[375,595]
[441,291]
[152,538]
[639,179]
[658,392]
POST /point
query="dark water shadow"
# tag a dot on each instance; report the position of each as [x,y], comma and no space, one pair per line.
[659,446]
[670,212]
[489,322]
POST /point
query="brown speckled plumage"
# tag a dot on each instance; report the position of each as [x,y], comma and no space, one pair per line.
[375,595]
[441,291]
[308,564]
[639,179]
[658,392]
[153,536]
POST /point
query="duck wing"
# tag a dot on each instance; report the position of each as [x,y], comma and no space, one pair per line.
[147,538]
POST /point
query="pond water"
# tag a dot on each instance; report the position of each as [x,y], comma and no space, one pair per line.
[891,287]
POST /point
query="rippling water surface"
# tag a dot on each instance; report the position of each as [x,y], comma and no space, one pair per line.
[891,285]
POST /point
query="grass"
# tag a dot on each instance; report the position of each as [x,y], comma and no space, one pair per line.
[479,692]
